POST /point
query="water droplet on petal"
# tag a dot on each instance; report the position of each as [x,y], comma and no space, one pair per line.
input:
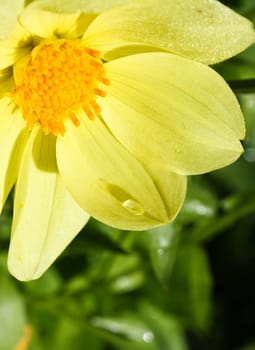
[122,196]
[133,207]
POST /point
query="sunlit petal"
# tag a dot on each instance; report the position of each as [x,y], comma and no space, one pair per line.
[52,25]
[46,218]
[67,6]
[109,183]
[172,111]
[13,136]
[171,186]
[9,10]
[202,30]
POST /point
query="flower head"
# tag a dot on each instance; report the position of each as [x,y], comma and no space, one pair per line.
[105,108]
[57,81]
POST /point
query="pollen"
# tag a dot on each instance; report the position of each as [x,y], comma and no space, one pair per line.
[58,81]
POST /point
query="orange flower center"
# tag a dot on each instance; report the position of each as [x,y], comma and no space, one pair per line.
[58,81]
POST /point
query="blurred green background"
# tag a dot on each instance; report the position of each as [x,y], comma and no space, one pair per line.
[188,285]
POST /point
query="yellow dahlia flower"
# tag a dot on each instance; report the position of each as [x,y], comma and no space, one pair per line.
[106,106]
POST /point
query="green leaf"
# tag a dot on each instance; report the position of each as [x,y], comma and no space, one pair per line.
[12,310]
[232,176]
[190,287]
[127,283]
[124,274]
[248,347]
[240,175]
[47,285]
[239,67]
[248,106]
[236,206]
[163,244]
[128,331]
[200,203]
[169,334]
[72,335]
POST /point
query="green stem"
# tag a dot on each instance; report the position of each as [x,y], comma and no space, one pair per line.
[245,86]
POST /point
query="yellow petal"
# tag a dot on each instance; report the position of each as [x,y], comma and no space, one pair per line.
[48,24]
[109,183]
[9,10]
[13,136]
[202,30]
[173,112]
[88,6]
[11,50]
[171,186]
[60,18]
[46,218]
